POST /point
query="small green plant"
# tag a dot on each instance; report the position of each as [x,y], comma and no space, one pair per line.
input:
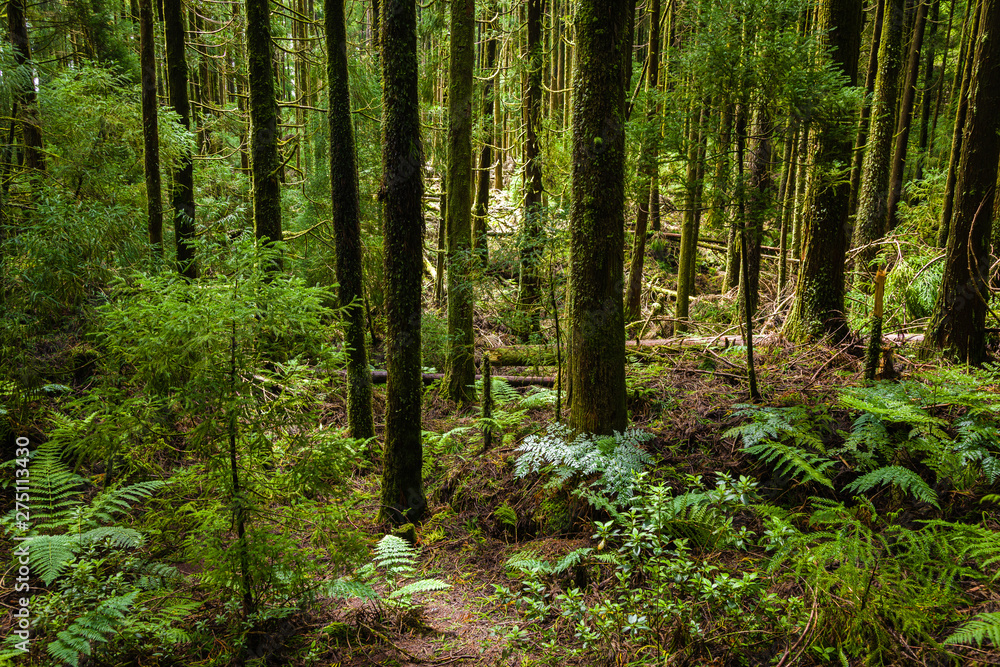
[615,460]
[392,569]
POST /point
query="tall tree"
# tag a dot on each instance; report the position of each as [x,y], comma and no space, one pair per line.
[819,296]
[265,166]
[532,237]
[959,317]
[347,224]
[647,166]
[597,217]
[759,196]
[402,232]
[480,242]
[865,120]
[150,131]
[182,192]
[906,112]
[461,367]
[31,132]
[872,216]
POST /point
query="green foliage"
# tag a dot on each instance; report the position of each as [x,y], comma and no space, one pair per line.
[782,437]
[982,628]
[393,563]
[907,480]
[561,455]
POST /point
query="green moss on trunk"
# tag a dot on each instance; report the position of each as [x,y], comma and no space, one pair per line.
[264,163]
[347,224]
[182,193]
[461,368]
[403,227]
[597,326]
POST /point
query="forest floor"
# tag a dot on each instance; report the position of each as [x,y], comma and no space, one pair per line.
[685,399]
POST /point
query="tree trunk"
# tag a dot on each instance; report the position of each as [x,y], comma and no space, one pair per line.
[957,138]
[959,315]
[490,100]
[689,225]
[264,163]
[759,195]
[872,216]
[401,192]
[31,132]
[346,214]
[461,365]
[532,236]
[597,219]
[819,296]
[150,130]
[182,193]
[925,98]
[647,168]
[906,113]
[863,122]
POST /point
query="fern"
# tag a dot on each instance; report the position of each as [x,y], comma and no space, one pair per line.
[398,559]
[783,438]
[617,459]
[93,627]
[904,478]
[793,461]
[981,628]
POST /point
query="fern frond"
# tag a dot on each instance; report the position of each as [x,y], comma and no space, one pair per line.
[92,627]
[421,586]
[50,554]
[395,555]
[55,489]
[117,537]
[904,478]
[793,461]
[981,628]
[528,561]
[115,501]
[572,559]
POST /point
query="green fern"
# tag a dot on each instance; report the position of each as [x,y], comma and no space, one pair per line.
[904,478]
[793,461]
[982,628]
[784,438]
[93,627]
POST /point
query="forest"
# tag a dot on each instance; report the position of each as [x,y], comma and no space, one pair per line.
[499,332]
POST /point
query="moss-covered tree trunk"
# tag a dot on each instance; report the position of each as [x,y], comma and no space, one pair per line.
[597,326]
[532,235]
[480,243]
[959,317]
[961,110]
[759,198]
[691,220]
[865,118]
[182,192]
[347,224]
[461,366]
[872,218]
[648,154]
[150,130]
[26,103]
[818,309]
[906,112]
[402,231]
[264,163]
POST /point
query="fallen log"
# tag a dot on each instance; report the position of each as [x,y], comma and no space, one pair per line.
[380,377]
[720,246]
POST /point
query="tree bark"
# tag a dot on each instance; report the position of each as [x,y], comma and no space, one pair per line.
[872,217]
[182,193]
[265,166]
[690,223]
[760,191]
[863,122]
[480,243]
[647,167]
[346,214]
[959,318]
[597,218]
[401,192]
[532,235]
[461,365]
[819,309]
[906,113]
[31,132]
[150,130]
